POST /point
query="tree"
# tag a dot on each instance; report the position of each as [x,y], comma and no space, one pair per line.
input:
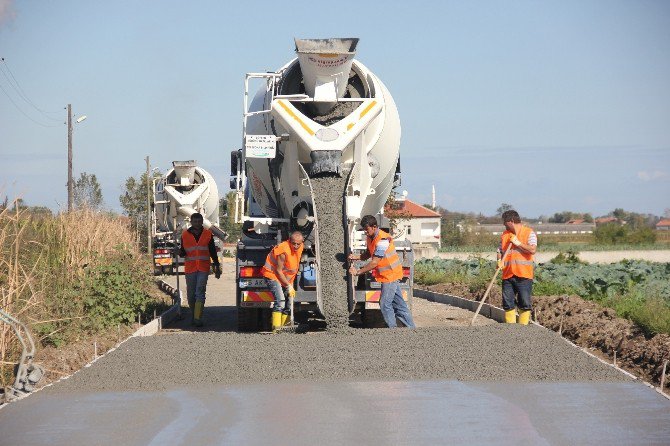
[19,204]
[504,208]
[611,234]
[87,192]
[642,235]
[620,214]
[562,217]
[227,217]
[395,212]
[134,203]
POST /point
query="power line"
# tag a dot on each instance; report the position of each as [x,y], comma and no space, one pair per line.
[22,112]
[19,90]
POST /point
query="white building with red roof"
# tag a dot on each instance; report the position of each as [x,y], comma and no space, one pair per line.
[419,224]
[663,225]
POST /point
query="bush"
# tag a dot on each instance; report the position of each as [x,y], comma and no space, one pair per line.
[567,257]
[118,291]
[641,236]
[615,234]
[611,234]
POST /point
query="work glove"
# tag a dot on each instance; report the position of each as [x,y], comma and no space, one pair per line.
[500,263]
[515,240]
[217,271]
[291,291]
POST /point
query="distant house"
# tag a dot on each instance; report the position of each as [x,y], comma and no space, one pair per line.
[663,225]
[420,224]
[577,221]
[605,220]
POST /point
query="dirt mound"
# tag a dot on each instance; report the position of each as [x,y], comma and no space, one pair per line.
[591,326]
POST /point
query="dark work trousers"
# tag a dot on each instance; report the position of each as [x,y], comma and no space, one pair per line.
[517,292]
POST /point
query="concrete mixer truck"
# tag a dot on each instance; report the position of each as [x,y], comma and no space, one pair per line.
[321,140]
[180,192]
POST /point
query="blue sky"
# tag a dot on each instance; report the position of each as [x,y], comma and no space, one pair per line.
[547,105]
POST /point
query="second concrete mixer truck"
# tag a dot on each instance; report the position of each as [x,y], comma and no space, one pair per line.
[321,140]
[183,190]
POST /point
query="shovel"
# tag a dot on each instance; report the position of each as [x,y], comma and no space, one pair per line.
[488,290]
[289,328]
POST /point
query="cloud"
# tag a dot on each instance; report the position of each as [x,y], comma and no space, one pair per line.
[651,175]
[7,12]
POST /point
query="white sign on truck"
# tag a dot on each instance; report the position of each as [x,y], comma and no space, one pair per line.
[260,146]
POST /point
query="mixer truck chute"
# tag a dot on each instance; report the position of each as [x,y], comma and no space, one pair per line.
[321,143]
[180,192]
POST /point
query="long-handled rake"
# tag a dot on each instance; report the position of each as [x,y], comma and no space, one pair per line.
[488,290]
[291,328]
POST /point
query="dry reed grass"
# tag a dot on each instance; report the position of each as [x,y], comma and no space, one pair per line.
[43,263]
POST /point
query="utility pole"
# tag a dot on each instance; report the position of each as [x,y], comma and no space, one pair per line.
[70,197]
[149,247]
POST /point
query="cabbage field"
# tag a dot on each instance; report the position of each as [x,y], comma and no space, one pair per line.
[637,290]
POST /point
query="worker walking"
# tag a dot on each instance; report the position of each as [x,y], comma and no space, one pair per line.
[386,267]
[517,284]
[280,269]
[197,247]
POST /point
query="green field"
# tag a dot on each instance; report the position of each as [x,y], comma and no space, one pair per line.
[637,290]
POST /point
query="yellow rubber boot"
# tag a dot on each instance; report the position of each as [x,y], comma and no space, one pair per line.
[276,320]
[524,317]
[284,319]
[191,306]
[198,309]
[510,316]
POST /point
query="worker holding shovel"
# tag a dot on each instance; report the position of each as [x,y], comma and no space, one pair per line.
[280,269]
[517,267]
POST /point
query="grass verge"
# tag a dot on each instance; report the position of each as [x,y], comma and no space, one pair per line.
[70,278]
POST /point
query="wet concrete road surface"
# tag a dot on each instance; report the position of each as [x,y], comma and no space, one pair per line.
[408,412]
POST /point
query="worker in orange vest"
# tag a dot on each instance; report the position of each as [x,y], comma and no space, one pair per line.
[197,247]
[387,269]
[280,269]
[517,284]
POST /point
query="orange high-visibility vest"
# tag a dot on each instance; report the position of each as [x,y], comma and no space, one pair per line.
[197,252]
[518,262]
[389,267]
[291,262]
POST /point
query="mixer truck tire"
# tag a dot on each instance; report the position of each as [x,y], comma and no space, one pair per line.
[248,319]
[372,318]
